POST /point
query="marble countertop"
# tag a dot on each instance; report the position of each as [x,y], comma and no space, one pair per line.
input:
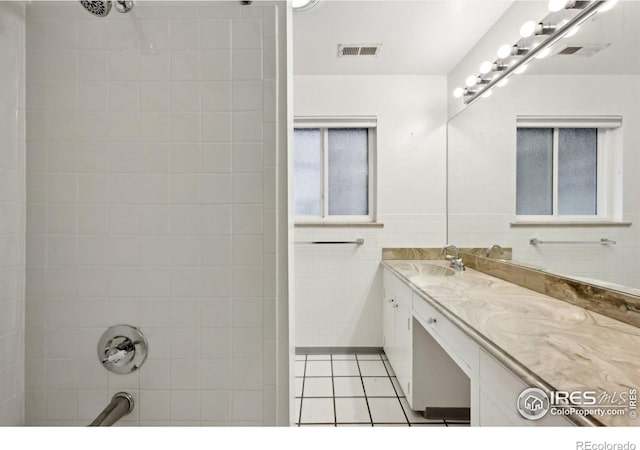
[546,342]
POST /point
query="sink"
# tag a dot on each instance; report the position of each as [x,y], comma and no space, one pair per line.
[434,270]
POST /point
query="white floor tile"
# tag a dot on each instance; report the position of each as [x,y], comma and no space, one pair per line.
[348,387]
[378,387]
[354,425]
[343,357]
[434,424]
[351,410]
[299,368]
[372,369]
[318,387]
[386,410]
[318,425]
[298,387]
[379,425]
[318,369]
[365,357]
[389,368]
[296,416]
[345,368]
[317,410]
[396,384]
[318,357]
[301,357]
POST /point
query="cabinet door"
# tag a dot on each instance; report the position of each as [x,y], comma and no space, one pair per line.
[403,348]
[388,319]
[396,310]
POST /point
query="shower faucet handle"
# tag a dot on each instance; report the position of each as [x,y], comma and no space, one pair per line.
[115,356]
[122,349]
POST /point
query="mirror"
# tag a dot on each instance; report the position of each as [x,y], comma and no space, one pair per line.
[548,165]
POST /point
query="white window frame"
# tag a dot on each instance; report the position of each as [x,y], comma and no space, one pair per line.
[324,124]
[605,125]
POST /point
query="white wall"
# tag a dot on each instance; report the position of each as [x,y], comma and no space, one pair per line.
[339,288]
[12,213]
[482,148]
[152,201]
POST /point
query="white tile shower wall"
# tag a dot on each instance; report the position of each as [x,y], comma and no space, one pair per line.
[153,149]
[12,213]
[481,142]
[338,288]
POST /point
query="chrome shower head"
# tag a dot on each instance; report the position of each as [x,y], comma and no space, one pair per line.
[103,8]
[97,8]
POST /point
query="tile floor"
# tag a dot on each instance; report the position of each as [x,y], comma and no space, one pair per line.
[352,390]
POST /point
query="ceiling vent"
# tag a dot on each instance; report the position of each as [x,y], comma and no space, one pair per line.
[359,49]
[585,50]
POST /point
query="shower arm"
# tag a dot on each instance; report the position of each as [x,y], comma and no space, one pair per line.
[121,405]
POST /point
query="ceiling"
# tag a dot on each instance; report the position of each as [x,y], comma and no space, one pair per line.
[418,37]
[618,28]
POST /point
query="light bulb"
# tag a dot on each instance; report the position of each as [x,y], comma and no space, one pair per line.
[520,69]
[458,92]
[502,82]
[487,94]
[486,67]
[608,5]
[471,81]
[504,51]
[528,29]
[543,53]
[299,3]
[557,5]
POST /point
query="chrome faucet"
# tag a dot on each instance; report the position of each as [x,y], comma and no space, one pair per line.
[456,261]
[494,246]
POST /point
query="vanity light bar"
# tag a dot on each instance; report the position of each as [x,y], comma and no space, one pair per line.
[552,33]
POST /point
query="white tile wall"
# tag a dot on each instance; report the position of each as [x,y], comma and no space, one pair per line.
[12,212]
[338,288]
[147,205]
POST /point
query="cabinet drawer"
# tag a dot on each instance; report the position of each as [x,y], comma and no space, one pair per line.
[451,336]
[500,389]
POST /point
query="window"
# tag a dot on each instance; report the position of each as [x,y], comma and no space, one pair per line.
[562,171]
[334,168]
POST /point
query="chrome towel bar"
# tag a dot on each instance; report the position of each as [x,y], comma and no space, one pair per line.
[603,241]
[120,406]
[357,242]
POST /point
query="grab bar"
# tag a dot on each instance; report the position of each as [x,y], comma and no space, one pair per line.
[121,405]
[603,241]
[357,242]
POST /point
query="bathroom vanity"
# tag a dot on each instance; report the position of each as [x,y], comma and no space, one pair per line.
[466,339]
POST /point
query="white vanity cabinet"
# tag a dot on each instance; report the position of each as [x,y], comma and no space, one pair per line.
[396,313]
[438,365]
[426,373]
[499,390]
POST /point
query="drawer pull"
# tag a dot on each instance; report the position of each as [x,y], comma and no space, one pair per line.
[392,300]
[431,320]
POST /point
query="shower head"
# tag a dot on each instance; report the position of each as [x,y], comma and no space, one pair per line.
[97,8]
[102,8]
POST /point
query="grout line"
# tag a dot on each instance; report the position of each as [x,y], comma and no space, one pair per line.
[302,393]
[394,390]
[333,391]
[352,396]
[364,390]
